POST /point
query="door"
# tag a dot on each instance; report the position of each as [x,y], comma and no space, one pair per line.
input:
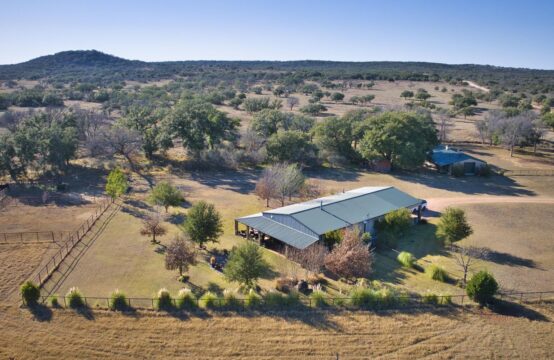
[469,168]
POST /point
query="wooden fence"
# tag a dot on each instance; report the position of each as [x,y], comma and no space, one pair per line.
[73,239]
[398,302]
[33,237]
[4,198]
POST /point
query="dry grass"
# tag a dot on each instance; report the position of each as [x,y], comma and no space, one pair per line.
[519,237]
[23,218]
[17,263]
[446,333]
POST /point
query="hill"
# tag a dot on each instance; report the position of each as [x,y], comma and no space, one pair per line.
[97,67]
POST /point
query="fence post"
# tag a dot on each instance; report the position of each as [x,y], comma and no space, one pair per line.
[64,302]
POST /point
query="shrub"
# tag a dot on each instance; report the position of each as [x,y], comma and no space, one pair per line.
[362,298]
[186,299]
[386,297]
[318,300]
[445,299]
[75,298]
[316,279]
[54,302]
[30,293]
[406,259]
[430,298]
[457,170]
[436,272]
[453,226]
[164,301]
[285,284]
[230,300]
[209,300]
[118,301]
[484,170]
[252,300]
[482,287]
[273,299]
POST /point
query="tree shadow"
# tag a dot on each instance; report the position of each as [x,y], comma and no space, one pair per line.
[336,174]
[85,312]
[241,181]
[509,308]
[506,258]
[474,185]
[215,288]
[40,312]
[176,219]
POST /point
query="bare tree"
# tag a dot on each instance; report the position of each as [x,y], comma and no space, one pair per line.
[466,257]
[280,181]
[351,258]
[312,258]
[180,254]
[266,186]
[444,121]
[89,122]
[292,180]
[514,129]
[489,125]
[152,225]
[292,102]
[537,132]
[122,141]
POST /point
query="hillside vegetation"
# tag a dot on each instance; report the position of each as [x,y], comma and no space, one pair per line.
[97,67]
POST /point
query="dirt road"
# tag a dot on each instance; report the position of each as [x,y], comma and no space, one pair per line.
[438,204]
[477,86]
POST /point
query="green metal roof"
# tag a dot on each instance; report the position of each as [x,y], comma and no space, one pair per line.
[279,231]
[331,213]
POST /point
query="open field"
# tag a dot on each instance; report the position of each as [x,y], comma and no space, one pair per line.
[441,333]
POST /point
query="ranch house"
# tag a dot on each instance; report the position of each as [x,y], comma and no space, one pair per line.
[303,224]
[444,158]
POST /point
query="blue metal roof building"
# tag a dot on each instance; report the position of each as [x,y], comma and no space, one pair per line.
[301,225]
[444,157]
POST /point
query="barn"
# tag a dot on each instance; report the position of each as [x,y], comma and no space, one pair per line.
[445,158]
[303,224]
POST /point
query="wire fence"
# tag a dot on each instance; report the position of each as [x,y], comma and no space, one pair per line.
[292,303]
[73,239]
[33,237]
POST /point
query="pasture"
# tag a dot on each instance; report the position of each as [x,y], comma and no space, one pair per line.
[440,333]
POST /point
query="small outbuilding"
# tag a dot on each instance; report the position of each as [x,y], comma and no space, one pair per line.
[445,158]
[303,224]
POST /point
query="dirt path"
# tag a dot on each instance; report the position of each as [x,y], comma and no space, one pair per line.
[477,86]
[438,204]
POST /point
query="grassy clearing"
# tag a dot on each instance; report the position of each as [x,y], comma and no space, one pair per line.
[447,333]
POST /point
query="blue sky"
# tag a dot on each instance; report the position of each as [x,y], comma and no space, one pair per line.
[506,33]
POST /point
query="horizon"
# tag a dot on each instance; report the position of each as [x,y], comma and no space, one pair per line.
[273,60]
[454,33]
